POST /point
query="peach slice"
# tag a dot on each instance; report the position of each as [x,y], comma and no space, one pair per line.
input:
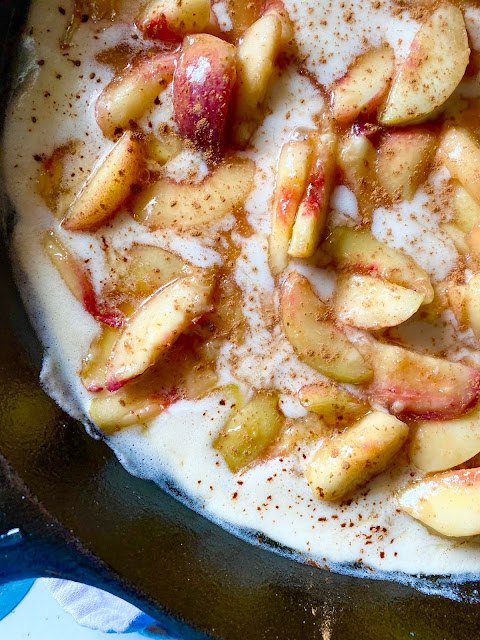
[297,434]
[360,251]
[404,157]
[441,445]
[456,294]
[447,502]
[256,57]
[412,385]
[156,325]
[367,302]
[232,396]
[60,176]
[109,186]
[250,431]
[172,20]
[460,153]
[131,93]
[331,403]
[164,146]
[93,373]
[312,211]
[277,8]
[465,303]
[77,278]
[166,203]
[432,70]
[362,89]
[242,15]
[316,339]
[466,209]
[292,175]
[472,240]
[456,236]
[343,464]
[464,231]
[356,160]
[200,379]
[202,92]
[128,406]
[142,269]
[112,412]
[182,372]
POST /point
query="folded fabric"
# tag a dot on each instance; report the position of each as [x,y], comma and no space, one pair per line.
[96,609]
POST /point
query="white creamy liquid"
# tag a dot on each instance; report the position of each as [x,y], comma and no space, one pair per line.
[272,498]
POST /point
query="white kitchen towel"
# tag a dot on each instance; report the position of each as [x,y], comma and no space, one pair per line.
[96,609]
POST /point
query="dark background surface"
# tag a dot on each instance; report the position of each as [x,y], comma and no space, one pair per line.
[83,517]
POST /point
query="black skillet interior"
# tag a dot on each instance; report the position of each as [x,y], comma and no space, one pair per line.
[81,516]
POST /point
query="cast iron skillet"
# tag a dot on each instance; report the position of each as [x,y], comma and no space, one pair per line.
[68,509]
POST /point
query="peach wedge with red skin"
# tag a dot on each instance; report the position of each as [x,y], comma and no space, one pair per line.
[156,325]
[362,89]
[348,461]
[109,186]
[185,205]
[317,340]
[433,68]
[172,20]
[313,208]
[403,159]
[78,280]
[447,502]
[412,385]
[441,445]
[256,55]
[292,174]
[180,373]
[360,251]
[367,302]
[202,91]
[132,92]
